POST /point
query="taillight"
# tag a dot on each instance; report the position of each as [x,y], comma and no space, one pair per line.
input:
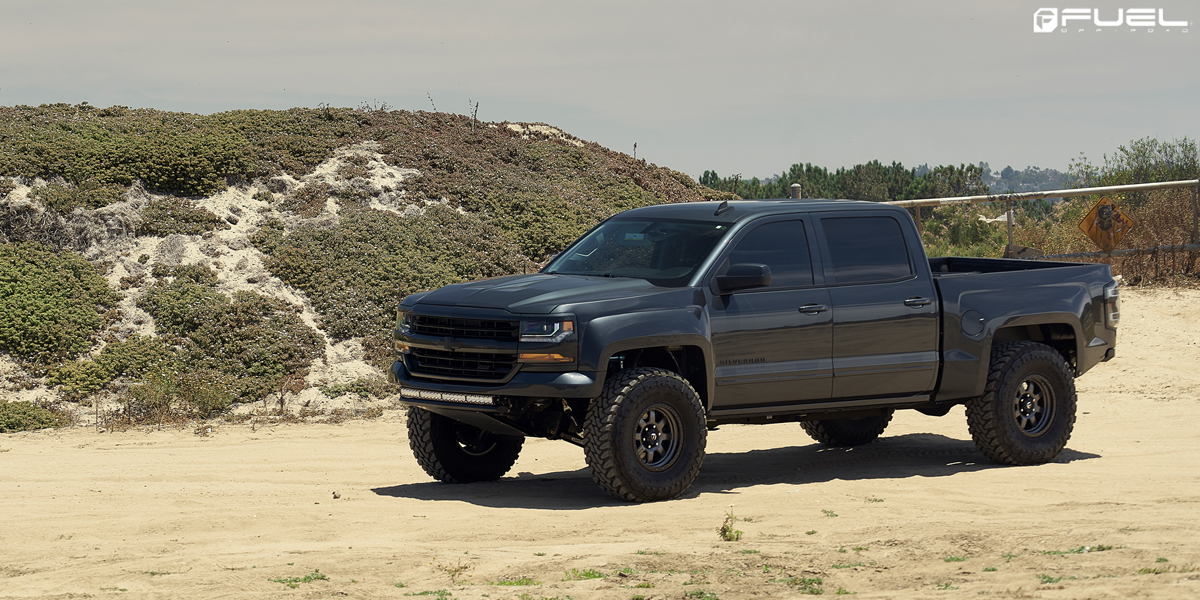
[1112,305]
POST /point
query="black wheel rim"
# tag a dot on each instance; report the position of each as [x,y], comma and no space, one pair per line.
[656,437]
[1033,405]
[475,442]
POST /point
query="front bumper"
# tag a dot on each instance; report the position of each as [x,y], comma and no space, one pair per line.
[534,384]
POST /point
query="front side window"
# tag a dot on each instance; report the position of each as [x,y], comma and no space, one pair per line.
[663,252]
[866,249]
[782,246]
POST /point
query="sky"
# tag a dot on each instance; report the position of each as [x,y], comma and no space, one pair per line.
[744,86]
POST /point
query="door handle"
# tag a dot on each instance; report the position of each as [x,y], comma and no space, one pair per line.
[917,301]
[813,309]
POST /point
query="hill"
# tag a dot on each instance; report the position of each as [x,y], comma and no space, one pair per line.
[252,254]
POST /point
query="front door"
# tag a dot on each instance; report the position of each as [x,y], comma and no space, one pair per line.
[772,344]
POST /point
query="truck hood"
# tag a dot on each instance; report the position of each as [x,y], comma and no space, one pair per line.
[536,293]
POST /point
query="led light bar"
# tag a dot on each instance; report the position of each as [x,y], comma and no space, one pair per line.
[447,396]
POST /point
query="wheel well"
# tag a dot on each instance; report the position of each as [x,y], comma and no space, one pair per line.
[1059,336]
[687,361]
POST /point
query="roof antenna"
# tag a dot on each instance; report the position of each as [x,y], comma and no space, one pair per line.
[723,208]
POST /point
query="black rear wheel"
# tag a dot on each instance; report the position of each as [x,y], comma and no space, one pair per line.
[1027,411]
[455,452]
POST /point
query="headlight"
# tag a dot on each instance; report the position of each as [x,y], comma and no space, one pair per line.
[403,321]
[547,331]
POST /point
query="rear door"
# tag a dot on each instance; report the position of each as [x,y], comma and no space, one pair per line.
[885,309]
[772,344]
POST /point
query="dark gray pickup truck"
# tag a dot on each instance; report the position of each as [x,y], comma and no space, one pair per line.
[664,322]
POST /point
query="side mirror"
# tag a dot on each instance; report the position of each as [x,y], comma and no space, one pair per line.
[744,276]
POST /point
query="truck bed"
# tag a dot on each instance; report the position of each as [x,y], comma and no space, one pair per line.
[967,265]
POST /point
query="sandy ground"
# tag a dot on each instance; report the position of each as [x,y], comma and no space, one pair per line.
[918,514]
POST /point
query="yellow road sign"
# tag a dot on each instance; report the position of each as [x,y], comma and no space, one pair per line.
[1106,224]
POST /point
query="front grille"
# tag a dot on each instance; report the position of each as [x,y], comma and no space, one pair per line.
[473,329]
[473,365]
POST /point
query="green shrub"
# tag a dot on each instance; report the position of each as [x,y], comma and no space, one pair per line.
[181,306]
[307,201]
[195,273]
[171,215]
[174,152]
[363,388]
[258,340]
[63,199]
[135,357]
[355,272]
[52,304]
[26,416]
[179,395]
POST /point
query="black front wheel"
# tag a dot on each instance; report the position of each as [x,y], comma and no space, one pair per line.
[645,435]
[1027,411]
[455,452]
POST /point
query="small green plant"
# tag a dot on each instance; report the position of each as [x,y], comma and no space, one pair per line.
[578,575]
[516,581]
[873,499]
[861,548]
[701,595]
[1048,579]
[726,530]
[989,569]
[828,513]
[438,593]
[946,586]
[644,584]
[806,585]
[399,584]
[294,582]
[650,552]
[810,532]
[1161,560]
[849,565]
[748,551]
[539,553]
[841,591]
[955,559]
[1009,556]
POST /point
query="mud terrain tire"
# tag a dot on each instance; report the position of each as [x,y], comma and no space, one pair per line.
[455,452]
[1027,410]
[645,435]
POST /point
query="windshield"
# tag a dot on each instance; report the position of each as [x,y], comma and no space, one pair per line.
[662,252]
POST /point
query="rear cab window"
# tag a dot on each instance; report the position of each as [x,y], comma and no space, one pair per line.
[866,249]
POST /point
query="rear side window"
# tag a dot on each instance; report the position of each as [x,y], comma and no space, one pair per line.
[782,246]
[866,249]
